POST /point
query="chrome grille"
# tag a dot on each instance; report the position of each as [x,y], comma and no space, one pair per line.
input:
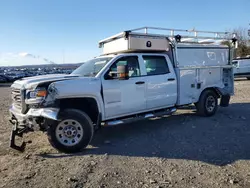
[16,95]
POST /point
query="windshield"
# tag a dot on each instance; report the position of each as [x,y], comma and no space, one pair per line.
[92,67]
[235,63]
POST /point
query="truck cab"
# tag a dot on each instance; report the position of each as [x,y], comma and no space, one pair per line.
[138,76]
[149,77]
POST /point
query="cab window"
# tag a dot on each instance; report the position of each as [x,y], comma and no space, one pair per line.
[156,65]
[131,62]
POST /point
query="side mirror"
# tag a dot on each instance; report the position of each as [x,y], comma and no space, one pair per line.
[109,76]
[122,72]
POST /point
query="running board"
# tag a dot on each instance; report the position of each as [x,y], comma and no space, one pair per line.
[140,117]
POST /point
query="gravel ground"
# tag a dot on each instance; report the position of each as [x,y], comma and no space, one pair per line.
[183,150]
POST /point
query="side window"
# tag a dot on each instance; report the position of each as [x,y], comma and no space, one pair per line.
[133,65]
[235,63]
[156,65]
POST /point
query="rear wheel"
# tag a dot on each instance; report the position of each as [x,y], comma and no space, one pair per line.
[207,104]
[73,133]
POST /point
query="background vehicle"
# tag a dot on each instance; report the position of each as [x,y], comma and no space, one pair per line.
[138,76]
[242,67]
[2,79]
[5,79]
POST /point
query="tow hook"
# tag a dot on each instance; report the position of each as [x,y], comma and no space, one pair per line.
[18,130]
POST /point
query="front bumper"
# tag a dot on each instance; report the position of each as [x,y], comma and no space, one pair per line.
[23,123]
[49,113]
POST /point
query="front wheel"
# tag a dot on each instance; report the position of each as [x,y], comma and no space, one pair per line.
[72,133]
[207,104]
[248,78]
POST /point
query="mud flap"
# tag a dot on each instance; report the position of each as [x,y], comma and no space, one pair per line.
[97,126]
[18,131]
[224,102]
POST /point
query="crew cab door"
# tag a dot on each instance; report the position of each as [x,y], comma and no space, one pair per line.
[124,97]
[161,87]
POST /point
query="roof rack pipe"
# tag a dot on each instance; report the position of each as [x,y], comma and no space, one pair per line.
[205,40]
[186,35]
[157,28]
[180,30]
[186,39]
[112,37]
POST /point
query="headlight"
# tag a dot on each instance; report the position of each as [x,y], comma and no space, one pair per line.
[38,93]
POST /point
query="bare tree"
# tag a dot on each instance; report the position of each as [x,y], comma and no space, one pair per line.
[242,35]
[243,41]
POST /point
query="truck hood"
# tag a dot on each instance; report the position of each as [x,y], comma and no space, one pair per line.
[32,82]
[73,88]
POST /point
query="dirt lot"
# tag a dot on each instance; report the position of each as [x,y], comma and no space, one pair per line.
[178,151]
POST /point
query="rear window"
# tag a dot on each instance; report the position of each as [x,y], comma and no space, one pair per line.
[235,62]
[156,65]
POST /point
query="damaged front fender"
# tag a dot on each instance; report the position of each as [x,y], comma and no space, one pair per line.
[49,113]
[51,97]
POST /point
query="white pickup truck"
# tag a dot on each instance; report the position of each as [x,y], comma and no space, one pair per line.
[138,76]
[242,67]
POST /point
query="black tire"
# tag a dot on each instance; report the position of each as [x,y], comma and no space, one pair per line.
[203,106]
[248,78]
[78,119]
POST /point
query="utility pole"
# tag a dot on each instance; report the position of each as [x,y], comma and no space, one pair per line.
[63,56]
[249,30]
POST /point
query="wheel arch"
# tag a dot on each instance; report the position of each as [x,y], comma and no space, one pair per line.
[89,105]
[200,104]
[214,89]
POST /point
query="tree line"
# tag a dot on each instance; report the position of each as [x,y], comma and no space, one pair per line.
[243,39]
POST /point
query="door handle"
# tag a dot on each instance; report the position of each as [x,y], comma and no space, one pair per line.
[140,82]
[171,79]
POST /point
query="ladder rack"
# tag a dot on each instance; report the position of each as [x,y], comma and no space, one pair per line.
[178,35]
